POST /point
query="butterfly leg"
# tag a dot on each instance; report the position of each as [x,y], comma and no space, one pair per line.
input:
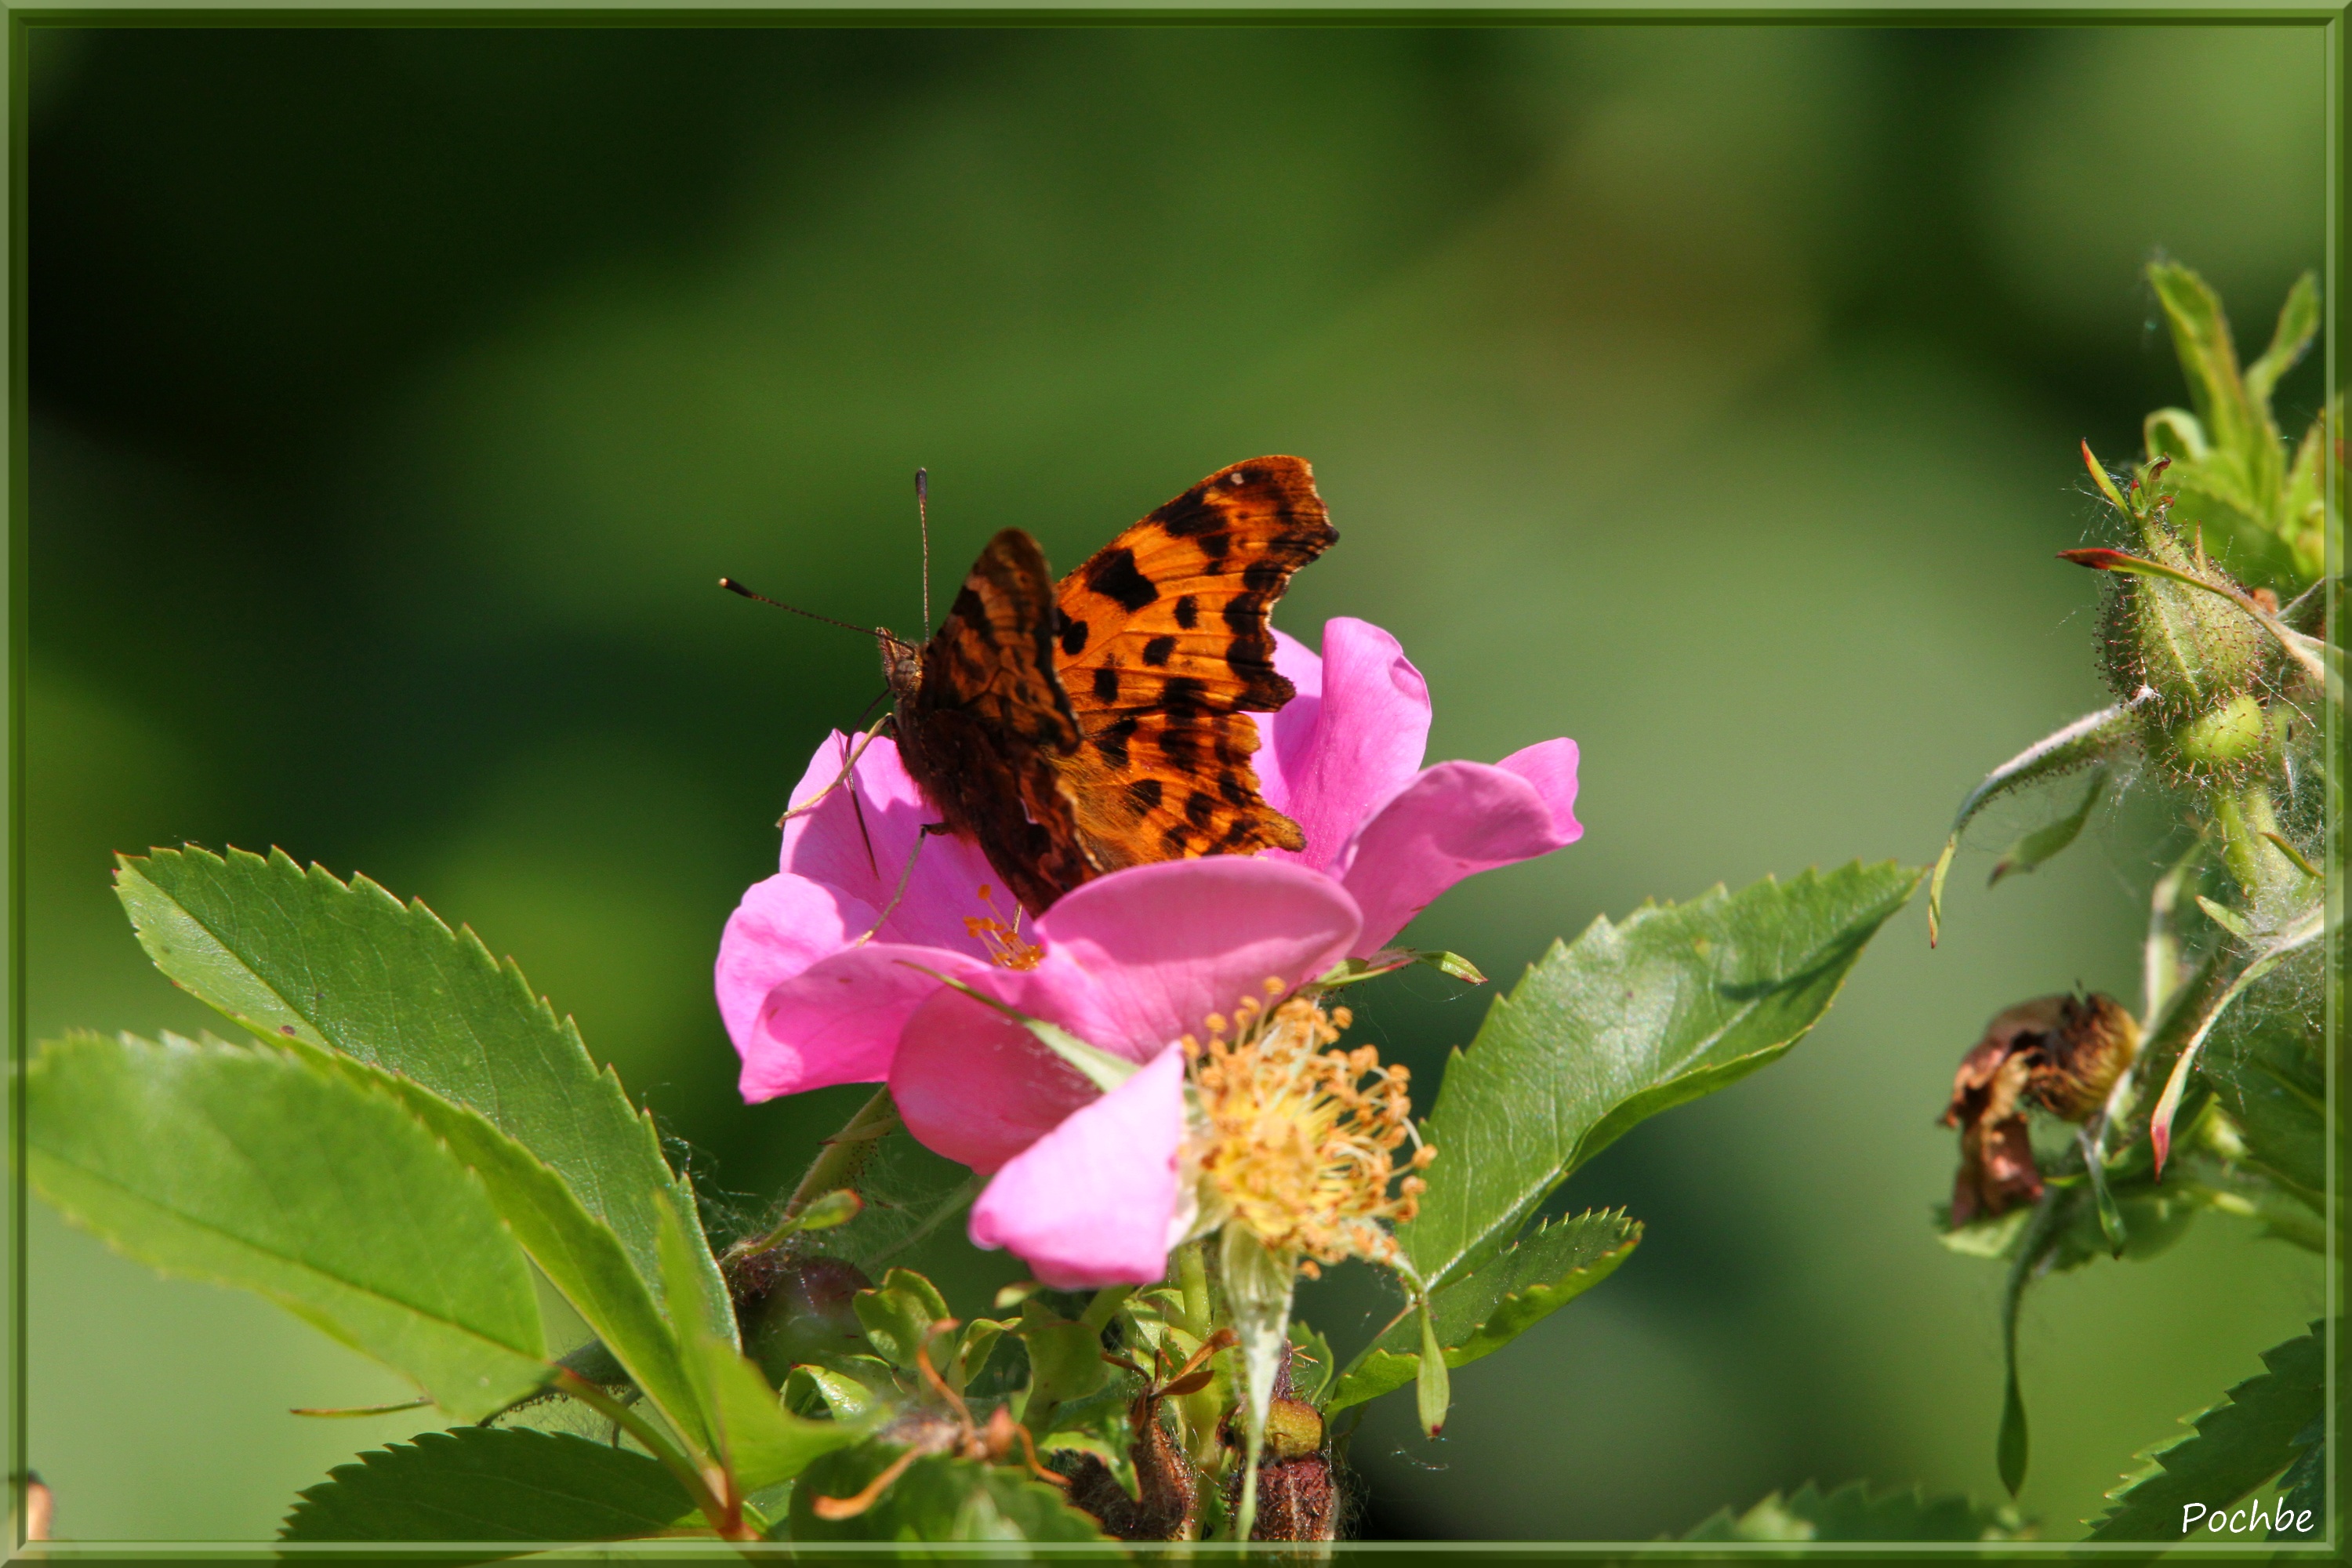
[905,875]
[848,767]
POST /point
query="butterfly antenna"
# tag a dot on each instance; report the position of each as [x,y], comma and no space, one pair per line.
[923,525]
[732,586]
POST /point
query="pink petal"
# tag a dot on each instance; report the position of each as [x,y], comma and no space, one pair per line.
[1455,819]
[1089,1204]
[1287,738]
[868,863]
[783,925]
[1550,766]
[1356,742]
[839,1021]
[1138,958]
[975,1085]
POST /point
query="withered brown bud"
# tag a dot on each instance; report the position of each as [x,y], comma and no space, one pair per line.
[1298,1481]
[2062,1053]
[1167,1492]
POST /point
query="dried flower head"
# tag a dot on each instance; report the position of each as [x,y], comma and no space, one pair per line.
[2062,1053]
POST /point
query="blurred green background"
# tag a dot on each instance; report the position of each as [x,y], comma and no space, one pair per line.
[1707,394]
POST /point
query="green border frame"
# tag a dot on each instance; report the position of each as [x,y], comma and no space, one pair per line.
[2337,269]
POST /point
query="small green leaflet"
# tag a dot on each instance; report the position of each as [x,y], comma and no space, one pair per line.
[2039,845]
[492,1483]
[1544,1271]
[2086,740]
[1631,1019]
[245,1166]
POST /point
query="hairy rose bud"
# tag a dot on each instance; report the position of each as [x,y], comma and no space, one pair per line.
[1298,1480]
[2062,1053]
[797,1309]
[2201,656]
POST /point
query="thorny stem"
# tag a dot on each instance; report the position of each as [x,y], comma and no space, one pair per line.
[716,1502]
[836,1165]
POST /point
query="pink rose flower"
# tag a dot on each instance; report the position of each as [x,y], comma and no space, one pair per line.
[808,1004]
[823,978]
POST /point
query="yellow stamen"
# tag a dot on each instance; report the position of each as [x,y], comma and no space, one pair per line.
[1005,946]
[1302,1140]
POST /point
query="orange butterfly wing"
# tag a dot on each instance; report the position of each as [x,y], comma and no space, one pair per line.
[981,717]
[1164,650]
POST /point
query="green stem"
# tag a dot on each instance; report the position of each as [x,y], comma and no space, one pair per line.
[835,1166]
[2244,817]
[726,1516]
[1200,1410]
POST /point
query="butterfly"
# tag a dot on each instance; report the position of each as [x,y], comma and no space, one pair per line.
[1072,728]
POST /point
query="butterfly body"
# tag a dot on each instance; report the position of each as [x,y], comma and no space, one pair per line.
[1072,729]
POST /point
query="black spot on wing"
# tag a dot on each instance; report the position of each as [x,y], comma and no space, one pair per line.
[1242,831]
[1182,697]
[1174,840]
[1216,546]
[1200,809]
[1189,514]
[1264,577]
[1106,685]
[1157,651]
[1110,743]
[1113,576]
[1245,615]
[1230,786]
[1188,612]
[1179,746]
[1074,637]
[1144,796]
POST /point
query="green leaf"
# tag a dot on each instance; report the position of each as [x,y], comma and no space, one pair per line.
[578,1253]
[1853,1512]
[492,1483]
[1312,1368]
[897,1315]
[1065,1362]
[1544,1271]
[249,1168]
[2268,1065]
[2299,931]
[811,1388]
[2086,740]
[1389,959]
[2238,1444]
[2042,843]
[1631,1019]
[2208,360]
[295,954]
[2302,1490]
[2228,918]
[759,1441]
[937,1498]
[2298,323]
